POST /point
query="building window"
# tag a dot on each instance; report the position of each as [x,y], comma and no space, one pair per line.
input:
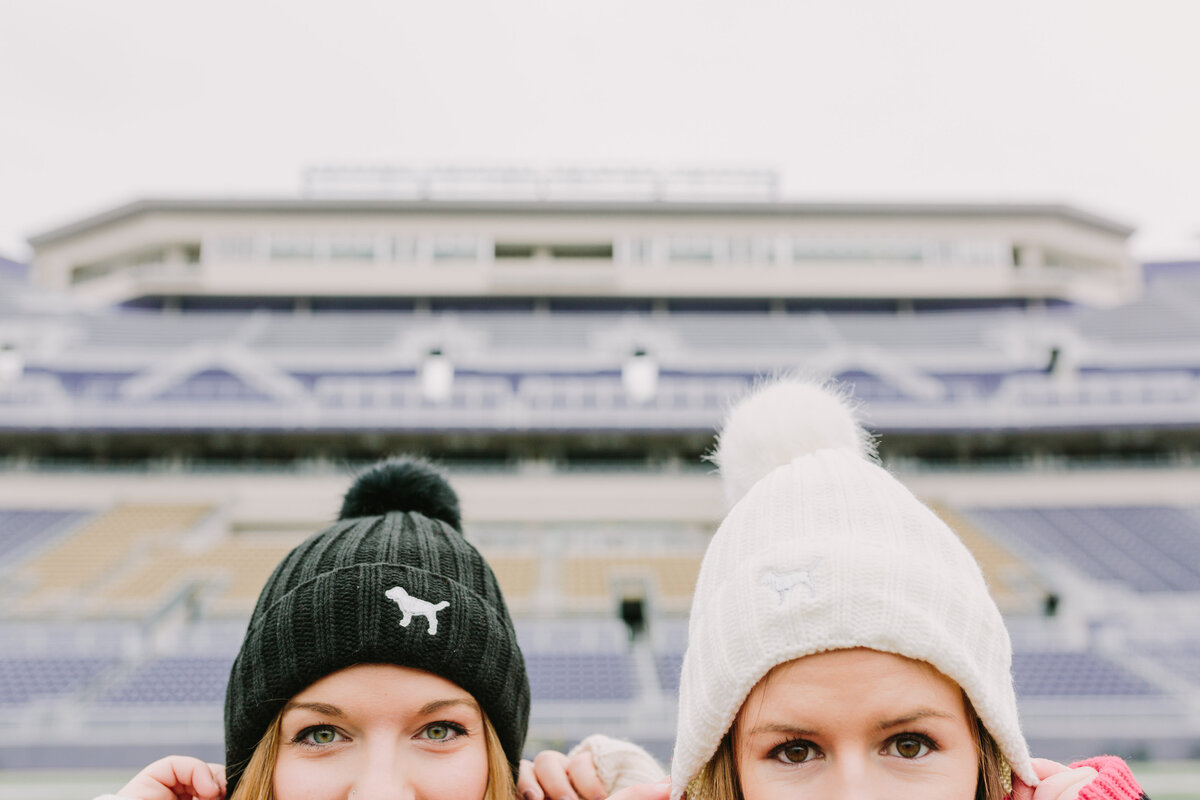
[691,249]
[352,249]
[456,248]
[291,248]
[404,249]
[230,248]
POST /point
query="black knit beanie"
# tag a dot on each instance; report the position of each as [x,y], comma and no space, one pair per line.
[392,582]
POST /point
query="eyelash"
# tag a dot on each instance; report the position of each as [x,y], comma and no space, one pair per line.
[776,752]
[454,727]
[919,737]
[301,738]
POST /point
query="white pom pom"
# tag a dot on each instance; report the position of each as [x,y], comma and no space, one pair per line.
[778,422]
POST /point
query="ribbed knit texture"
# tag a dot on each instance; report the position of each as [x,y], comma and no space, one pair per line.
[619,763]
[831,552]
[325,608]
[1114,781]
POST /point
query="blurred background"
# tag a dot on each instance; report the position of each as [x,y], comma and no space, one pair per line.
[246,249]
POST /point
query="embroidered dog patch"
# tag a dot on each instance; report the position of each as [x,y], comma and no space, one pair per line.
[782,583]
[415,607]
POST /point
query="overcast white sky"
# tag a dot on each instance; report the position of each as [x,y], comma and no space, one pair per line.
[1092,102]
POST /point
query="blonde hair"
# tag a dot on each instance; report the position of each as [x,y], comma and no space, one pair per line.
[258,778]
[719,780]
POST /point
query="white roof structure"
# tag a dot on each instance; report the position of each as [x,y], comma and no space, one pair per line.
[611,249]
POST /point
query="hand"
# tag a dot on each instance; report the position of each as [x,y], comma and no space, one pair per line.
[645,791]
[177,777]
[553,776]
[1058,782]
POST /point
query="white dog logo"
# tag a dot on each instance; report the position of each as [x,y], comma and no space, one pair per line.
[415,607]
[784,582]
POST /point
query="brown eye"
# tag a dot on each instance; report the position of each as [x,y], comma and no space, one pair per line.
[909,747]
[795,752]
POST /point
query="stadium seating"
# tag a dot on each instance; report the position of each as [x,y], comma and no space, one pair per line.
[580,676]
[590,582]
[23,680]
[1181,658]
[1013,583]
[1073,674]
[519,578]
[101,549]
[230,574]
[667,667]
[174,680]
[1148,549]
[24,532]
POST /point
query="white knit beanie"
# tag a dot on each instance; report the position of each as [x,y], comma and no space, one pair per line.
[825,550]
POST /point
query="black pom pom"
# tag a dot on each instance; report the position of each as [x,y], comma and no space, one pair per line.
[402,484]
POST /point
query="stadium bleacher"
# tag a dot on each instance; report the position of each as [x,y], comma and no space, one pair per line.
[24,680]
[1069,674]
[25,531]
[1149,549]
[119,606]
[1181,658]
[98,550]
[178,680]
[582,677]
[957,370]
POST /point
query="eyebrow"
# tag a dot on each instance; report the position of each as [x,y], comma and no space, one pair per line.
[779,727]
[914,716]
[438,705]
[320,708]
[429,708]
[883,725]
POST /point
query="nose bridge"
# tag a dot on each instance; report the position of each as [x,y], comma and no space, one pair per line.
[851,774]
[382,773]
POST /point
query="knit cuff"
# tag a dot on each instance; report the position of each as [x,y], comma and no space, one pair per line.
[619,764]
[1115,781]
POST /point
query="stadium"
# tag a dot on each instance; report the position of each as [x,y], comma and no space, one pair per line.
[187,385]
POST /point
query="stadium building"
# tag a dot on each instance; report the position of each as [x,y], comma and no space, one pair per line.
[186,386]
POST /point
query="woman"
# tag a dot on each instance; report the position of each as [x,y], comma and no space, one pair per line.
[842,641]
[380,661]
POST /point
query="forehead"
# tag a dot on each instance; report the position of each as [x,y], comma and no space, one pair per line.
[383,682]
[862,680]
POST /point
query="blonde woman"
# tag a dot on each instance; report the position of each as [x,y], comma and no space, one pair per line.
[380,662]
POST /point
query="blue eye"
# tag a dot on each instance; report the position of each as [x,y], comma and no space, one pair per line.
[909,746]
[797,752]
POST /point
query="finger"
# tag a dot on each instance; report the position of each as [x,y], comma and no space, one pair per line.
[645,791]
[527,785]
[201,781]
[195,777]
[1058,785]
[158,781]
[585,778]
[550,768]
[219,774]
[1044,767]
[1072,791]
